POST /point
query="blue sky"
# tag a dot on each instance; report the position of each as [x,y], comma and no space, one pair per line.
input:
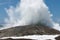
[6,4]
[53,5]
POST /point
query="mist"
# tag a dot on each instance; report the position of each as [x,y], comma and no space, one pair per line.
[28,12]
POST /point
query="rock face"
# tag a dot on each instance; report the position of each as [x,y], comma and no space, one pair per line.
[15,39]
[28,30]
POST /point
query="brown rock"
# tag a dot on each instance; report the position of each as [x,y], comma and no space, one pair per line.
[57,38]
[28,30]
[15,39]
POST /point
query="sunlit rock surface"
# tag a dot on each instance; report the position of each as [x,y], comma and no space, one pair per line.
[28,30]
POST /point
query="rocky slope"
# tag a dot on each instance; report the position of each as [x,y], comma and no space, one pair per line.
[28,30]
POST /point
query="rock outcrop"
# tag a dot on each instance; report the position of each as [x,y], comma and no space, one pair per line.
[28,30]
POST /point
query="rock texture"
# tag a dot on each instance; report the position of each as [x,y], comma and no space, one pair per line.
[28,30]
[16,39]
[57,38]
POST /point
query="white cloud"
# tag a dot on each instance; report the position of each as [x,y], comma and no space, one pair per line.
[28,12]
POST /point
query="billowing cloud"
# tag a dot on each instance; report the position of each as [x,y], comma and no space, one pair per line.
[28,12]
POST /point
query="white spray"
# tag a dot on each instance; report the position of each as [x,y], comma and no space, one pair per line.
[28,12]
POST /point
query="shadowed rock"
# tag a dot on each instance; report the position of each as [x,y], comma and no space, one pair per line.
[57,38]
[15,39]
[48,39]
